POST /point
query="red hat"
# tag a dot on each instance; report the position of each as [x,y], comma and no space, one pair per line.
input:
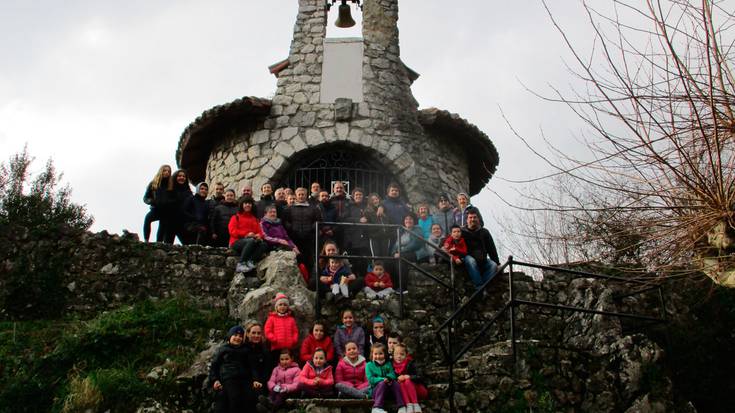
[279,297]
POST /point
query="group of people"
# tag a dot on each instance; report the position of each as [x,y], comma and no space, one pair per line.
[286,219]
[263,366]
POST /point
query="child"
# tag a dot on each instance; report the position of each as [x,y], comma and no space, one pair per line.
[348,331]
[280,327]
[393,339]
[407,377]
[378,283]
[284,379]
[350,377]
[455,245]
[317,339]
[315,379]
[229,373]
[340,277]
[378,334]
[382,378]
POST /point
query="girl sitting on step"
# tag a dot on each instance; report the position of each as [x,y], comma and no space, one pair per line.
[351,381]
[316,379]
[408,377]
[382,379]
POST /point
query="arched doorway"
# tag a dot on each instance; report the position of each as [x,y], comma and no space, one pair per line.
[352,165]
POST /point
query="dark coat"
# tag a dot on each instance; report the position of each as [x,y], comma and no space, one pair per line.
[356,237]
[229,362]
[219,221]
[196,210]
[299,220]
[480,244]
[264,202]
[395,209]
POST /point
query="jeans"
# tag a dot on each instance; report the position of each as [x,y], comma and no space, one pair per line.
[250,249]
[482,272]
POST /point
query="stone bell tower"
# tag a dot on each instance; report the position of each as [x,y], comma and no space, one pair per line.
[343,110]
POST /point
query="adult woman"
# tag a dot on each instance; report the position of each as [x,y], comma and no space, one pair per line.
[275,234]
[379,237]
[161,181]
[172,205]
[246,236]
[258,360]
[409,247]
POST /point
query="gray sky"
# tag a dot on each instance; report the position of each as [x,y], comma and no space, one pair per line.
[106,88]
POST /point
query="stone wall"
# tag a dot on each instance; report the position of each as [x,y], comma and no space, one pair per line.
[106,271]
[384,126]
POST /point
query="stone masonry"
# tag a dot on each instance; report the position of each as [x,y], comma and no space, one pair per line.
[385,126]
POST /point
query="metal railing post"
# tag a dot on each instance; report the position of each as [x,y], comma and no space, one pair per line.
[400,275]
[317,282]
[512,310]
[450,350]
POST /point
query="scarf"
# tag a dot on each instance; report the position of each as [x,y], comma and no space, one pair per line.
[400,368]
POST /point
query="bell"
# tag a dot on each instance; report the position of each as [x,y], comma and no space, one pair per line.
[344,20]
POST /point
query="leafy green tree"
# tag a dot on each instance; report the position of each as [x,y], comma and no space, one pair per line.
[36,216]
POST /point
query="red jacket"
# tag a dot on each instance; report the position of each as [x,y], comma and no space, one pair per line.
[308,374]
[371,279]
[352,375]
[310,344]
[458,248]
[241,224]
[281,331]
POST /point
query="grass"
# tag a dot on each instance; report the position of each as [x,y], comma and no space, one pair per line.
[65,365]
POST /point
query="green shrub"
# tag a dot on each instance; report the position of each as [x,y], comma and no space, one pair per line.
[45,366]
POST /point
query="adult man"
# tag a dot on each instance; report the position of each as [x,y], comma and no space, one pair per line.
[247,190]
[482,259]
[196,215]
[266,198]
[444,215]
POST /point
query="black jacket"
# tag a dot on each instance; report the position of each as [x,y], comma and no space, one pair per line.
[264,202]
[220,219]
[196,210]
[230,362]
[299,220]
[480,244]
[356,237]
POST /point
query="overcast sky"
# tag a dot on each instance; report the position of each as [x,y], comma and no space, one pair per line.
[106,88]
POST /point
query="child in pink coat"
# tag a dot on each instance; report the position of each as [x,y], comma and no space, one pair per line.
[350,377]
[315,379]
[284,379]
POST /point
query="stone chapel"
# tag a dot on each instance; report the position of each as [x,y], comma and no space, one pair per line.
[343,110]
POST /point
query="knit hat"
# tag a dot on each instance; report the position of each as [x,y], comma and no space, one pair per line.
[280,297]
[235,330]
[378,319]
[463,193]
[443,197]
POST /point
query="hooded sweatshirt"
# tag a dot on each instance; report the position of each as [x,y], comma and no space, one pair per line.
[310,345]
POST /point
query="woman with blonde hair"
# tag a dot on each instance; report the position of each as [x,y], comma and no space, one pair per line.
[154,193]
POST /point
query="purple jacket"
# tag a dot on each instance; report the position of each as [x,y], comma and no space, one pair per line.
[288,378]
[341,337]
[275,231]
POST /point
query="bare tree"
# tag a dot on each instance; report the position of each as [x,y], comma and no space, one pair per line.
[658,188]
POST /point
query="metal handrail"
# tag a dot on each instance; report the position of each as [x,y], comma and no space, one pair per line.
[399,229]
[451,358]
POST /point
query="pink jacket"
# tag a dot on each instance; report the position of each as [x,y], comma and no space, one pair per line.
[281,331]
[351,374]
[287,378]
[308,374]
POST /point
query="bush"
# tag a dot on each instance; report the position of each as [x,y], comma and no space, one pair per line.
[66,364]
[38,214]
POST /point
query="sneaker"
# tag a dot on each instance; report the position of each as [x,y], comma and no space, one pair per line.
[335,289]
[377,410]
[402,409]
[417,408]
[344,290]
[251,265]
[241,267]
[409,408]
